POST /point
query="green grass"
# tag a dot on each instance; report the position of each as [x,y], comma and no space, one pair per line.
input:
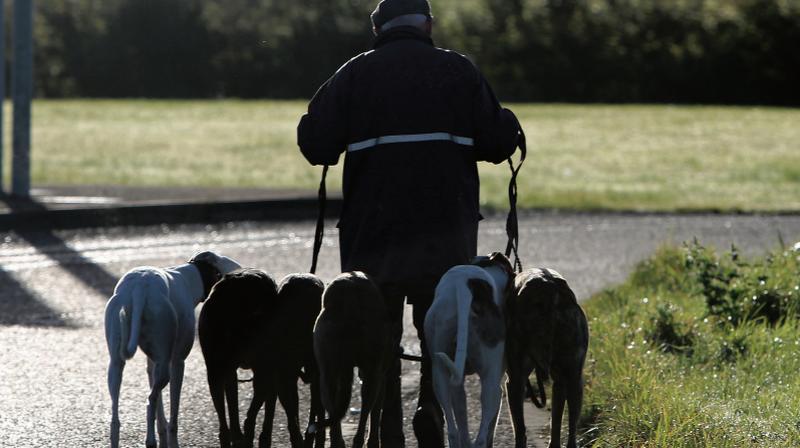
[580,156]
[664,370]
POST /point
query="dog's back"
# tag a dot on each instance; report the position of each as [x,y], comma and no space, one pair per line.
[353,313]
[299,302]
[465,311]
[549,319]
[236,311]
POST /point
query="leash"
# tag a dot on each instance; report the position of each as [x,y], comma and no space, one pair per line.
[406,357]
[318,233]
[512,226]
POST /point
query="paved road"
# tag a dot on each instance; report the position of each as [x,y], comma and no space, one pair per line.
[53,287]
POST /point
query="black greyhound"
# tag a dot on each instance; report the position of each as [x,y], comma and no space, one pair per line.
[247,322]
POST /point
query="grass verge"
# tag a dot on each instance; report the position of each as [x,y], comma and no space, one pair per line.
[580,156]
[697,350]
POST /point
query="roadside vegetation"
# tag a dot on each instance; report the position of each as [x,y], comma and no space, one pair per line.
[697,349]
[580,156]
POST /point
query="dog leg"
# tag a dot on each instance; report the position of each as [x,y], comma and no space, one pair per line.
[270,396]
[175,383]
[441,388]
[459,402]
[160,378]
[161,421]
[376,416]
[515,390]
[287,393]
[574,401]
[368,395]
[216,386]
[115,368]
[259,398]
[232,396]
[370,386]
[491,397]
[316,414]
[335,392]
[556,413]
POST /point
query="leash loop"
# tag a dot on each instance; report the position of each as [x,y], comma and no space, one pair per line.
[512,225]
[318,233]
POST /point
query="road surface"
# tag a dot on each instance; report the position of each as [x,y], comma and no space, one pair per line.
[53,287]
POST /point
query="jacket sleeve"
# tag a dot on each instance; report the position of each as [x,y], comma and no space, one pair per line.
[496,128]
[322,132]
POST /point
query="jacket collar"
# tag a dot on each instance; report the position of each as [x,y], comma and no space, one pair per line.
[400,33]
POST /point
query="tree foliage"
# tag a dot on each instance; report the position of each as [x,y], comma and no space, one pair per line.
[710,51]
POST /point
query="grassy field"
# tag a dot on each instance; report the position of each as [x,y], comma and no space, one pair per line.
[697,350]
[580,156]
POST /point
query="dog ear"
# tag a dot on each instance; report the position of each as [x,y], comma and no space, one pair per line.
[501,260]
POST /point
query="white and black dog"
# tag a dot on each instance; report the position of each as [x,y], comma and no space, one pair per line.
[465,333]
[153,308]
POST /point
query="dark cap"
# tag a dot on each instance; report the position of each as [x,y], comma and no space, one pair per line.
[389,9]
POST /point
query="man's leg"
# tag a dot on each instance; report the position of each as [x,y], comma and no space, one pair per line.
[428,421]
[392,416]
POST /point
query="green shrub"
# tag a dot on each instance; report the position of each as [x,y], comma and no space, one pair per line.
[736,291]
[734,382]
[668,333]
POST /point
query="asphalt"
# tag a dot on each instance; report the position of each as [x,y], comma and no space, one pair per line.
[66,207]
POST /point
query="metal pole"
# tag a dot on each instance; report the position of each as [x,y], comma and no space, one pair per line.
[2,88]
[22,80]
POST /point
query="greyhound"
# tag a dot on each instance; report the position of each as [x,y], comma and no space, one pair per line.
[248,322]
[289,355]
[353,330]
[153,308]
[466,320]
[548,333]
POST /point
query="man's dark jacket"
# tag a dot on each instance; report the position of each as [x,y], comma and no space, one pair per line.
[410,208]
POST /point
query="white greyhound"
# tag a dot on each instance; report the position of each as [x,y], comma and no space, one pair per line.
[153,308]
[466,320]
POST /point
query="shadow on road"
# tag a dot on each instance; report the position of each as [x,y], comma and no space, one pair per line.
[20,306]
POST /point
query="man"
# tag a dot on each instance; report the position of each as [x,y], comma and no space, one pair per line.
[414,120]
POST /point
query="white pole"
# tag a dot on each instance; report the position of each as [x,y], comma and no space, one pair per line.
[22,85]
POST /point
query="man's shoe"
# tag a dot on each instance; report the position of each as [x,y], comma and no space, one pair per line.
[428,426]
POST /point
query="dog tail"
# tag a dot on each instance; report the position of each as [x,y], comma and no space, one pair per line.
[463,305]
[130,326]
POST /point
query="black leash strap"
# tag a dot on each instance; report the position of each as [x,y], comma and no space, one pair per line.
[512,226]
[401,353]
[318,233]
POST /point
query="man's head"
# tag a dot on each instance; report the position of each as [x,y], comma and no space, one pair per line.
[393,13]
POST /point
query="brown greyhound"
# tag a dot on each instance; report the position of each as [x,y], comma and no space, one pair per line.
[353,330]
[547,332]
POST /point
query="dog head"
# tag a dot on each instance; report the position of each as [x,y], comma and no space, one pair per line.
[497,259]
[212,267]
[542,300]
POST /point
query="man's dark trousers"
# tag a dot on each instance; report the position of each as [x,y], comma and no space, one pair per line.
[429,414]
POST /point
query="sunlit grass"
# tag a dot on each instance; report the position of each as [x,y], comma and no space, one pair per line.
[734,387]
[580,156]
